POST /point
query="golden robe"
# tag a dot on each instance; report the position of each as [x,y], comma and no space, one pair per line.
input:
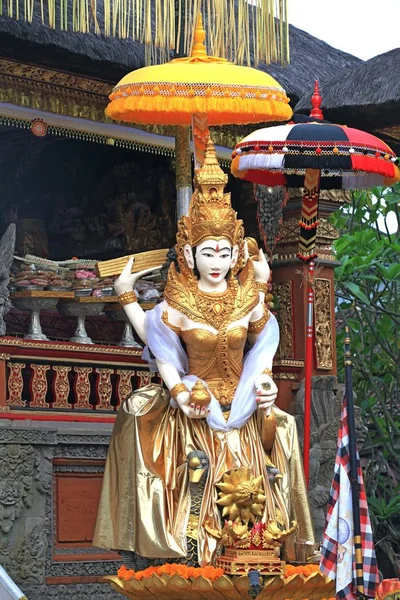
[144,505]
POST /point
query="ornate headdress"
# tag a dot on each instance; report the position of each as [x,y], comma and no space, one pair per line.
[210,212]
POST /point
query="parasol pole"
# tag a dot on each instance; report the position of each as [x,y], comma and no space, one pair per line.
[308,368]
[183,154]
[308,232]
[355,486]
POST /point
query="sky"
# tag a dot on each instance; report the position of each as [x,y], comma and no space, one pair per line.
[364,28]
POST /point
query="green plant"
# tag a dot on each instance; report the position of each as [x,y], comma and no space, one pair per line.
[368,301]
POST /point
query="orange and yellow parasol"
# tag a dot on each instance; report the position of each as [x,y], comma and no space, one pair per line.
[200,90]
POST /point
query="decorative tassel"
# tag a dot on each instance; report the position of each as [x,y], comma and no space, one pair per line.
[309,214]
[236,29]
[370,164]
[201,134]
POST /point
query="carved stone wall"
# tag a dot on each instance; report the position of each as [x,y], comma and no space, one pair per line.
[50,475]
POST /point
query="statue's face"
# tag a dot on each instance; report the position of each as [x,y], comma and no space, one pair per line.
[213,259]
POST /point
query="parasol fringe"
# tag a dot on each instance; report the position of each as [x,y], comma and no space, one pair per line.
[164,109]
[240,31]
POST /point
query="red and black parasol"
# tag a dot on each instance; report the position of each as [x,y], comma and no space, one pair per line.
[313,154]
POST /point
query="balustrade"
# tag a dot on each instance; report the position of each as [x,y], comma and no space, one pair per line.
[61,376]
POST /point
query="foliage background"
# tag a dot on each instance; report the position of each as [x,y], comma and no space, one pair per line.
[368,301]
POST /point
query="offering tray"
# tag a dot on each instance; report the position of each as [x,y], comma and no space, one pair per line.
[34,301]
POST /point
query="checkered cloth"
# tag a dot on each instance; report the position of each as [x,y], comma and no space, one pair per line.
[337,555]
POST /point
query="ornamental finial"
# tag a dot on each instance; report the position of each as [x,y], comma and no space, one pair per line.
[316,101]
[199,49]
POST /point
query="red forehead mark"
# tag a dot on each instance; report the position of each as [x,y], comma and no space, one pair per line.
[217,248]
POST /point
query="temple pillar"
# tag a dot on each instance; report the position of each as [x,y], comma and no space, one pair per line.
[290,296]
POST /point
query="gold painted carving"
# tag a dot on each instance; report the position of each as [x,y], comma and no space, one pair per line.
[68,347]
[289,362]
[15,384]
[124,384]
[144,378]
[53,91]
[283,292]
[323,323]
[289,232]
[339,196]
[104,388]
[53,77]
[82,387]
[291,376]
[61,386]
[39,385]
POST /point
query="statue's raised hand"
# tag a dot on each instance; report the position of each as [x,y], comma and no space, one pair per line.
[261,268]
[266,391]
[127,279]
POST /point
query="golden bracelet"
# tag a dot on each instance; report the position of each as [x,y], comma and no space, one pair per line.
[127,298]
[267,372]
[177,389]
[262,287]
[258,326]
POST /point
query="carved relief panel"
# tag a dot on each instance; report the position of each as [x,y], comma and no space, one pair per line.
[283,291]
[323,323]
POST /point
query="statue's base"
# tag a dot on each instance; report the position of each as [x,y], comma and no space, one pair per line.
[175,587]
[240,562]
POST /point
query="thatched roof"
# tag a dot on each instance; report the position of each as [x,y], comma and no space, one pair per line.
[310,59]
[367,94]
[110,58]
[366,97]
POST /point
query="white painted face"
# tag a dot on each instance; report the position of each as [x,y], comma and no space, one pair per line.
[214,258]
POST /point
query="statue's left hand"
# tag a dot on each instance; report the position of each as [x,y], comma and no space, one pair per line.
[266,391]
[127,279]
[261,268]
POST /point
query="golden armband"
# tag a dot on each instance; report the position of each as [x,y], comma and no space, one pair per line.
[177,389]
[127,298]
[258,326]
[262,287]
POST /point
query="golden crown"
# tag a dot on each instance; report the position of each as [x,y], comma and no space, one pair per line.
[210,212]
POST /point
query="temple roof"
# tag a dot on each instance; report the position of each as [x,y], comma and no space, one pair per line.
[110,58]
[366,96]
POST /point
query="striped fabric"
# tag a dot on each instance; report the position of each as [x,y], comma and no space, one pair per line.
[338,549]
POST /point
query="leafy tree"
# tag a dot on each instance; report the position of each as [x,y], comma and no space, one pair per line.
[368,301]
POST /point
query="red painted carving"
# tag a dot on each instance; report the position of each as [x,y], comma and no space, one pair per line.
[61,387]
[38,385]
[15,384]
[104,388]
[124,384]
[82,387]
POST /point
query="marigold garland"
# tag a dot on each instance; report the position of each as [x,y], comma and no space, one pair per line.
[305,570]
[185,572]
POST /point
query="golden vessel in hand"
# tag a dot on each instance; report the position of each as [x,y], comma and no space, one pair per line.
[200,396]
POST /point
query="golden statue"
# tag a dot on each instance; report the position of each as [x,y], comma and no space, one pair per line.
[213,423]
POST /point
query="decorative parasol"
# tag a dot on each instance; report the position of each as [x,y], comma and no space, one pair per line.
[200,90]
[314,155]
